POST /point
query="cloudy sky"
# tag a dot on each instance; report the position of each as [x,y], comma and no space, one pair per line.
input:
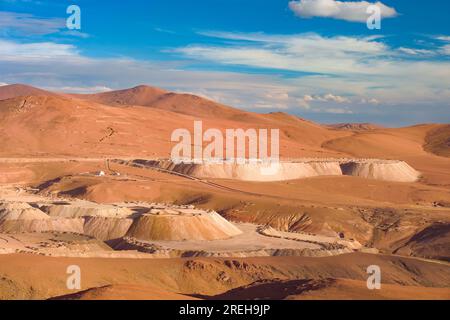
[313,58]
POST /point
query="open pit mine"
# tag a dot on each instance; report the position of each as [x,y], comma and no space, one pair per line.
[146,230]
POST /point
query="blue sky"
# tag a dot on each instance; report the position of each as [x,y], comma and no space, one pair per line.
[313,58]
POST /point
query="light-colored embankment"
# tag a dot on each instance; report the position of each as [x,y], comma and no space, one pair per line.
[20,211]
[250,243]
[326,242]
[85,209]
[21,217]
[45,225]
[156,251]
[103,222]
[388,170]
[104,228]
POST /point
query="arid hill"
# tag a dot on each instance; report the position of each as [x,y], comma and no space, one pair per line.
[307,289]
[355,126]
[342,289]
[147,96]
[438,141]
[17,90]
[144,117]
[212,277]
[56,146]
[64,125]
[111,125]
[124,292]
[137,96]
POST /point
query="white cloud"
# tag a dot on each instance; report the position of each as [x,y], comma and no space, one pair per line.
[416,52]
[325,98]
[354,11]
[277,95]
[275,99]
[94,89]
[27,24]
[304,52]
[326,103]
[75,33]
[372,101]
[366,71]
[162,30]
[62,67]
[338,111]
[270,106]
[306,102]
[334,98]
[14,51]
[446,49]
[347,66]
[3,84]
[443,38]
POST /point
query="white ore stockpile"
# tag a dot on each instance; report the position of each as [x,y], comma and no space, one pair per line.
[107,222]
[386,170]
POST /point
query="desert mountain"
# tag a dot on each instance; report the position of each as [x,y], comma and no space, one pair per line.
[94,125]
[139,122]
[138,96]
[438,141]
[147,96]
[53,146]
[57,125]
[18,90]
[355,126]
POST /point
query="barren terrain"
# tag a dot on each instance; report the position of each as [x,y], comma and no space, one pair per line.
[84,180]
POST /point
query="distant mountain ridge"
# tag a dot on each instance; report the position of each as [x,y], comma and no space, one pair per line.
[139,122]
[355,126]
[16,90]
[147,96]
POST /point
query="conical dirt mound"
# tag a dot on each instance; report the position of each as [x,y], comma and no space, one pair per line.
[182,225]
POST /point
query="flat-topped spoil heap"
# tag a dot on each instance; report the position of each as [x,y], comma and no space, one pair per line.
[81,208]
[387,170]
[181,224]
[101,221]
[20,211]
[398,171]
[104,228]
[141,221]
[18,217]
